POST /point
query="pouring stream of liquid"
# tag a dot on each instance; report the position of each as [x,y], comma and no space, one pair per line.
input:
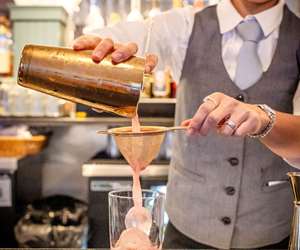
[137,216]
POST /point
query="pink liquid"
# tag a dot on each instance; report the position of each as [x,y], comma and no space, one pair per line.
[135,124]
[136,188]
[134,238]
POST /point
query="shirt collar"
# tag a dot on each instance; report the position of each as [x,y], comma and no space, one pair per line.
[229,17]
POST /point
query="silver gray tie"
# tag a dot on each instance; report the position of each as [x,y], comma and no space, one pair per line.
[249,68]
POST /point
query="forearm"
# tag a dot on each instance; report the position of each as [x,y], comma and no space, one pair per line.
[284,138]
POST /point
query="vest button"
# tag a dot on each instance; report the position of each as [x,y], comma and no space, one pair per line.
[233,161]
[226,220]
[230,190]
[240,98]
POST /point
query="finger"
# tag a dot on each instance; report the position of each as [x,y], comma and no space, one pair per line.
[215,97]
[124,52]
[86,42]
[236,118]
[224,107]
[186,123]
[102,49]
[246,128]
[196,122]
[151,62]
[220,114]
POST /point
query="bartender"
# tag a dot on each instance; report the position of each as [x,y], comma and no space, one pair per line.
[217,195]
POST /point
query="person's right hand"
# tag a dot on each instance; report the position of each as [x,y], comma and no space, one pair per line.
[120,52]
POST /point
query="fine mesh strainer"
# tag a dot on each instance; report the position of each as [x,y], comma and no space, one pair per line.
[139,149]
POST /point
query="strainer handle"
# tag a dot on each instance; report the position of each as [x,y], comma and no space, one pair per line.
[104,132]
[177,128]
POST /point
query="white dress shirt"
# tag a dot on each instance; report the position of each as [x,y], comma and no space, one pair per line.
[268,20]
[167,35]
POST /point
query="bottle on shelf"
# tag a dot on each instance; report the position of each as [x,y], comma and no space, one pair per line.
[6,56]
[161,87]
[53,106]
[37,105]
[155,10]
[135,13]
[147,86]
[173,86]
[112,16]
[122,7]
[3,99]
[177,3]
[94,19]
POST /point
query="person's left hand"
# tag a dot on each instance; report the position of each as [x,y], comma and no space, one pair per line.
[227,116]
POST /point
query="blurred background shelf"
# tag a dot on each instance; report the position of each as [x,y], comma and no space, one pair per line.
[158,100]
[65,121]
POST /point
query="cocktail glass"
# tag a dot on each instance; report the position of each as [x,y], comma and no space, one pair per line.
[122,238]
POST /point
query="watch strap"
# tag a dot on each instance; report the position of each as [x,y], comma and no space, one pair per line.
[272,116]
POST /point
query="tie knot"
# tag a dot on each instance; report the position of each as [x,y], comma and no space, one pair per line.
[250,31]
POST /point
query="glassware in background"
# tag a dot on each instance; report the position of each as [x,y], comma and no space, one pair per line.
[162,83]
[6,58]
[147,86]
[120,237]
[53,105]
[37,105]
[135,13]
[155,10]
[122,6]
[94,19]
[3,99]
[112,16]
[19,103]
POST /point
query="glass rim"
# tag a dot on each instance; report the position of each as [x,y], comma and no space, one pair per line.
[114,195]
[293,173]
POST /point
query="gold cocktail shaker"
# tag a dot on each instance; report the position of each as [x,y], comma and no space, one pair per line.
[72,75]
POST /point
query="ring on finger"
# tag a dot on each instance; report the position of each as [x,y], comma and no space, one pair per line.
[208,98]
[230,124]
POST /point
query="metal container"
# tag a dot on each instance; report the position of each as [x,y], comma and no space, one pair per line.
[294,243]
[72,75]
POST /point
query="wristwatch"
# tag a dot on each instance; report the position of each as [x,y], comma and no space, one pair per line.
[272,116]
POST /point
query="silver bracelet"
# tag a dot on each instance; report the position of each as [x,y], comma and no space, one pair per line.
[272,116]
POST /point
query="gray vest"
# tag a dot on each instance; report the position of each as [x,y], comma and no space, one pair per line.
[217,192]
